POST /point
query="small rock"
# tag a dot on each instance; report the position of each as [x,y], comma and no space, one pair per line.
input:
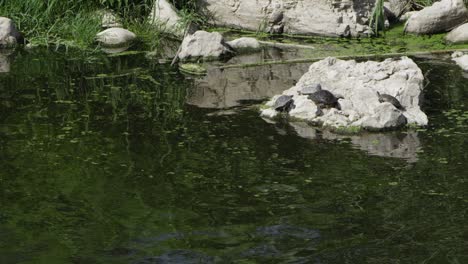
[440,17]
[203,44]
[461,59]
[244,44]
[9,35]
[115,37]
[269,113]
[458,35]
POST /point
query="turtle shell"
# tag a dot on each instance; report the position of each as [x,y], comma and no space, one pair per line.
[324,98]
[283,103]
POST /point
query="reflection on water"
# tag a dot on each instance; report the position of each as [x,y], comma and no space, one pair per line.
[102,160]
[5,60]
[403,145]
[226,88]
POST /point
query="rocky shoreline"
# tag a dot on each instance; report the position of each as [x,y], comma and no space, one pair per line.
[368,95]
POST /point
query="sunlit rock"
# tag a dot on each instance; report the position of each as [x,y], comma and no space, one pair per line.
[440,17]
[165,16]
[358,85]
[244,44]
[204,45]
[9,35]
[318,17]
[115,37]
[461,59]
[458,35]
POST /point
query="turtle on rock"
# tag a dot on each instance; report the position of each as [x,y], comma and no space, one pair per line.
[325,99]
[386,98]
[284,103]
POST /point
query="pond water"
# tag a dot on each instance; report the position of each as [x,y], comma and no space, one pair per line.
[114,159]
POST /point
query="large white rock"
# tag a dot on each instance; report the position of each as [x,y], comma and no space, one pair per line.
[440,17]
[358,84]
[461,59]
[9,35]
[203,44]
[317,17]
[458,35]
[164,14]
[115,37]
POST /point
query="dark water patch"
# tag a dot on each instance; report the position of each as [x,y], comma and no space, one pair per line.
[120,160]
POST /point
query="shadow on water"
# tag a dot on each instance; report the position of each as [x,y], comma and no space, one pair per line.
[118,160]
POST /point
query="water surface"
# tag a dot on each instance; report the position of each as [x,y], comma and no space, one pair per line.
[121,160]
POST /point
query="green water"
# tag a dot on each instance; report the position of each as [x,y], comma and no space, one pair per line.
[118,160]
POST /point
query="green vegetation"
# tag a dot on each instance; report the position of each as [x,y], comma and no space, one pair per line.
[75,23]
[377,20]
[69,23]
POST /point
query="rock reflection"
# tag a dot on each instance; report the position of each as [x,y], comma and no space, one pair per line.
[225,88]
[403,145]
[5,61]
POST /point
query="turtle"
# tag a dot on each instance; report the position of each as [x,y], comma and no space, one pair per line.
[284,103]
[390,99]
[310,89]
[325,98]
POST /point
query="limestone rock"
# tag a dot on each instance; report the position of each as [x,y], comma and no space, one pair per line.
[9,35]
[115,37]
[164,13]
[440,17]
[317,17]
[244,44]
[461,59]
[358,84]
[458,35]
[203,44]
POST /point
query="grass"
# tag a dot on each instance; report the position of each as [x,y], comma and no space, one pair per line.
[76,23]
